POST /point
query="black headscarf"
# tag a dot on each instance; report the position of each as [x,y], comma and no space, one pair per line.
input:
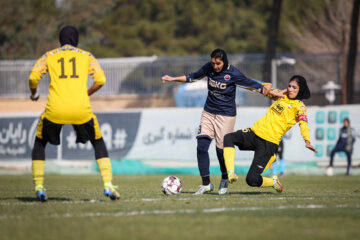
[304,91]
[219,53]
[69,35]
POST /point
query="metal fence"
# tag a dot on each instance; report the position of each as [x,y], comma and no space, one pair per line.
[142,75]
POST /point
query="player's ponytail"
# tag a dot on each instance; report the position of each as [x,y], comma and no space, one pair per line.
[219,53]
[304,91]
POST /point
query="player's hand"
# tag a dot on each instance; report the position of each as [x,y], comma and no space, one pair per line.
[34,97]
[166,78]
[277,94]
[283,91]
[309,146]
[266,89]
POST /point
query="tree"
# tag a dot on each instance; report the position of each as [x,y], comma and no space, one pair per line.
[351,60]
[273,29]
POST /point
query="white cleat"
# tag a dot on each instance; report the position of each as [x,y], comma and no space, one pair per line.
[223,188]
[204,189]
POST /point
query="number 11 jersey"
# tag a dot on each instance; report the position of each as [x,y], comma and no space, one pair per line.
[68,101]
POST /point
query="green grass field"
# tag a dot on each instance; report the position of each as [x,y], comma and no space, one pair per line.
[311,207]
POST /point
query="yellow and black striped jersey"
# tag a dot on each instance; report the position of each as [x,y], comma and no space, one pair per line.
[68,101]
[280,117]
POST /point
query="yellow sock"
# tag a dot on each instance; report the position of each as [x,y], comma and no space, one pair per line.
[267,182]
[229,156]
[105,169]
[38,172]
[272,159]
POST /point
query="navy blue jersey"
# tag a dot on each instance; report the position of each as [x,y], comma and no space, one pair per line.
[343,138]
[222,88]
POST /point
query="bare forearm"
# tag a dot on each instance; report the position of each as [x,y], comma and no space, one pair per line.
[94,88]
[168,78]
[34,95]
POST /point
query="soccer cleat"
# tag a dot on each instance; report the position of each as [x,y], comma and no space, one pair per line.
[41,193]
[232,176]
[110,191]
[204,189]
[224,183]
[277,185]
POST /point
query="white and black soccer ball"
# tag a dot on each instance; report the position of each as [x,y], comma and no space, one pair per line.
[171,185]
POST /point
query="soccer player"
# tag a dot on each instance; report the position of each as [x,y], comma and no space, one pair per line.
[68,103]
[345,144]
[218,116]
[266,133]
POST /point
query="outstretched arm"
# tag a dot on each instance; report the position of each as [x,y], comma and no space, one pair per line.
[301,117]
[168,78]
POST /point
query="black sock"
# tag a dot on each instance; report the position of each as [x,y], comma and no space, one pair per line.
[205,180]
[224,176]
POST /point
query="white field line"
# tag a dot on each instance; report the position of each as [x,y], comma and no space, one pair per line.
[182,211]
[9,203]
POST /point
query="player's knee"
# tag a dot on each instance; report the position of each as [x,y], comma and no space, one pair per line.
[228,140]
[38,152]
[203,145]
[254,179]
[100,148]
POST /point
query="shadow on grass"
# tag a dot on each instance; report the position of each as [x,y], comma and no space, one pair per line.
[234,193]
[33,199]
[252,193]
[55,199]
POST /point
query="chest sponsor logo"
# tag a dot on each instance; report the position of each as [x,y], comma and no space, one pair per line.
[216,84]
[227,77]
[278,109]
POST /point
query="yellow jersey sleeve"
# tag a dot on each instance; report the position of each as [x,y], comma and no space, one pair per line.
[96,72]
[280,117]
[301,117]
[69,68]
[40,68]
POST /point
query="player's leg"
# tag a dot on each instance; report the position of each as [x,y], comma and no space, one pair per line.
[205,134]
[244,139]
[223,126]
[263,158]
[46,132]
[202,149]
[91,131]
[329,169]
[348,168]
[203,143]
[38,166]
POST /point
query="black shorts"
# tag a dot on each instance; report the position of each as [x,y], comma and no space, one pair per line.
[246,139]
[50,131]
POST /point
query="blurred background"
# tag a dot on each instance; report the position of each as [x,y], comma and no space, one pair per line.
[136,42]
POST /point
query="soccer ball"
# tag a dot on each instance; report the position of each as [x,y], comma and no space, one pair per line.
[171,185]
